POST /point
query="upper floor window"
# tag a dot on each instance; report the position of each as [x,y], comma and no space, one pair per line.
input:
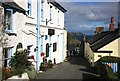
[9,20]
[42,9]
[50,12]
[29,7]
[58,12]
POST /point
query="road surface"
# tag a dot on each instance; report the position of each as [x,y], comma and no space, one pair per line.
[74,68]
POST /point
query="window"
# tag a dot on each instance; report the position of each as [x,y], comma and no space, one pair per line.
[7,56]
[58,17]
[47,50]
[42,9]
[46,37]
[50,12]
[99,56]
[29,7]
[9,20]
[19,46]
[57,42]
[54,47]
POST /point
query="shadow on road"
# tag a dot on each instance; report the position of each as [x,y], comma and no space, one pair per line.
[77,60]
[89,73]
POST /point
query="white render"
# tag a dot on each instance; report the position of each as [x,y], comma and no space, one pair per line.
[25,29]
[93,56]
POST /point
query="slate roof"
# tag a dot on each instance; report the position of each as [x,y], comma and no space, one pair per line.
[102,39]
[53,2]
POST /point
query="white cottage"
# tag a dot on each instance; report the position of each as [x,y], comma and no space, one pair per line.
[105,43]
[36,25]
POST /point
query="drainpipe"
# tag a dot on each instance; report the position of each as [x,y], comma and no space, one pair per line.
[50,48]
[38,36]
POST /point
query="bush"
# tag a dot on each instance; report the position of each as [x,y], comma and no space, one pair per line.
[110,75]
[31,73]
[6,73]
[19,63]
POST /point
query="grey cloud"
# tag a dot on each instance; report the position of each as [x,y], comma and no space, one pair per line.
[83,17]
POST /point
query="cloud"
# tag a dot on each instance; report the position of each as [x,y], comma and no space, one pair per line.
[87,0]
[84,17]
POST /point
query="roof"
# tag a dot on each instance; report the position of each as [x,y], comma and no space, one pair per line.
[53,2]
[13,5]
[97,37]
[102,39]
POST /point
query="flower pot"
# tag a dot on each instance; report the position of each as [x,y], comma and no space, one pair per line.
[50,65]
[42,68]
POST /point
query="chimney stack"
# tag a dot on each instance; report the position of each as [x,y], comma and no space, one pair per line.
[99,30]
[84,38]
[111,26]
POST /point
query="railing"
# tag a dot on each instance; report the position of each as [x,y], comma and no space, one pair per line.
[114,66]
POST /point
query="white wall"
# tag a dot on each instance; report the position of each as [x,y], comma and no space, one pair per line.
[89,54]
[112,46]
[25,28]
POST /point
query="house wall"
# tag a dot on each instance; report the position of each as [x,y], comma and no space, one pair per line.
[25,29]
[112,46]
[97,56]
[89,54]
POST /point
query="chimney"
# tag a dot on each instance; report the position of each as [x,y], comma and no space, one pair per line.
[119,27]
[84,38]
[97,30]
[111,26]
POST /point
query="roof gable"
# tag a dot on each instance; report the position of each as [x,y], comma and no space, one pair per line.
[106,39]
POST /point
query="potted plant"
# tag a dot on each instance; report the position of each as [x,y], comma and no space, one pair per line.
[50,64]
[43,66]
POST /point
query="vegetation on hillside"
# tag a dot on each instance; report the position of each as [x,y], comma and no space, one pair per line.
[71,39]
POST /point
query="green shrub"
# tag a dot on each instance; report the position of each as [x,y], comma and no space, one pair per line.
[31,73]
[6,73]
[108,71]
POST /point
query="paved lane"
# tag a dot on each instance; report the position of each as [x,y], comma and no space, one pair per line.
[75,68]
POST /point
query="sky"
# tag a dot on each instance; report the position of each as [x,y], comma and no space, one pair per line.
[85,15]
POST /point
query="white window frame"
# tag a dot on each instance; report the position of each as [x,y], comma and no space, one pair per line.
[10,20]
[42,9]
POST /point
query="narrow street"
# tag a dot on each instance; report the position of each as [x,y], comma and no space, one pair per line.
[74,68]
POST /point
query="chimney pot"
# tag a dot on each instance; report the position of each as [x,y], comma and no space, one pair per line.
[84,38]
[111,26]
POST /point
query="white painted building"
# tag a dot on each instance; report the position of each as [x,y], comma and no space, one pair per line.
[103,43]
[28,20]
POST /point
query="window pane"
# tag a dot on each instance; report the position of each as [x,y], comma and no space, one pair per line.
[8,17]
